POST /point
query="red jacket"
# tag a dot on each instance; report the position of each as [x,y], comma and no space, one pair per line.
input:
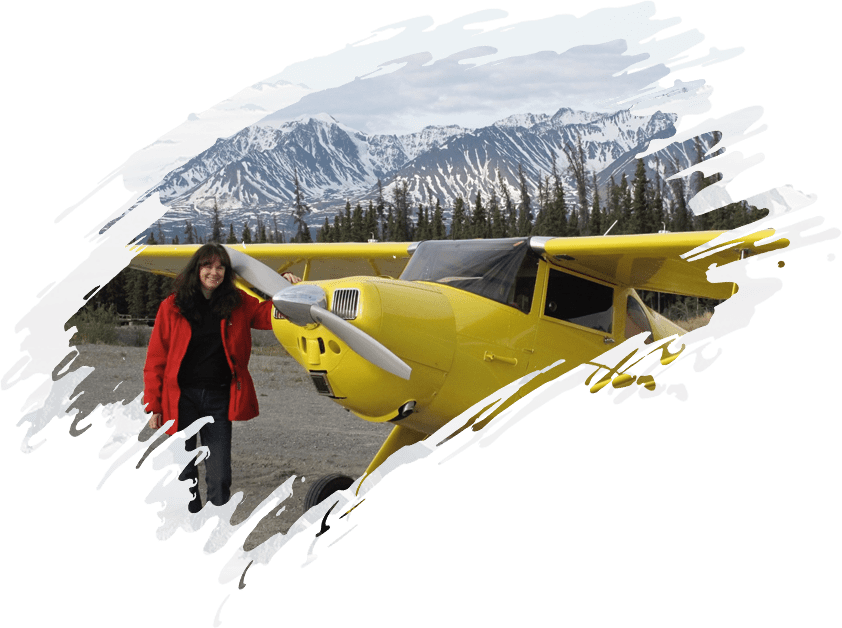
[167,347]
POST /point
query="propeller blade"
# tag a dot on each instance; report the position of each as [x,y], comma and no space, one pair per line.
[361,343]
[256,273]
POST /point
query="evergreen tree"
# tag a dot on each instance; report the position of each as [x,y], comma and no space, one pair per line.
[508,207]
[479,221]
[261,230]
[216,231]
[598,225]
[680,216]
[429,215]
[371,229]
[640,218]
[402,227]
[612,205]
[439,231]
[339,234]
[657,208]
[556,219]
[347,223]
[189,232]
[358,225]
[457,222]
[654,201]
[498,224]
[421,230]
[469,219]
[577,167]
[719,218]
[137,287]
[276,236]
[538,227]
[232,239]
[389,231]
[625,224]
[380,210]
[324,234]
[697,178]
[524,217]
[154,296]
[114,293]
[300,211]
[573,224]
[742,214]
[245,237]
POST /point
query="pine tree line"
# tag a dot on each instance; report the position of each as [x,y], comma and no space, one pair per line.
[642,205]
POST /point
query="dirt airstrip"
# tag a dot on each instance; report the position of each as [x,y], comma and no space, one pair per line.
[297,433]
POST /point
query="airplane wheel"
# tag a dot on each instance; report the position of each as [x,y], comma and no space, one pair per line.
[324,487]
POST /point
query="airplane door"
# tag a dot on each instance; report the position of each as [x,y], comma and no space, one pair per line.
[575,320]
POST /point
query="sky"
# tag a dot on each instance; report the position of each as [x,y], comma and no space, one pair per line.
[497,35]
[467,90]
[460,74]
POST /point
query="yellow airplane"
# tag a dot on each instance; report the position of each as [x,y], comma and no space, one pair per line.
[416,333]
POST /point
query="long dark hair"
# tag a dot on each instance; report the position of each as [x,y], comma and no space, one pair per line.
[186,287]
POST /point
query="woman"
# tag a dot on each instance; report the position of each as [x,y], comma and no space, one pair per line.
[197,363]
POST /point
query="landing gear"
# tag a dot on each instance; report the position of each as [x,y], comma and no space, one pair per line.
[324,487]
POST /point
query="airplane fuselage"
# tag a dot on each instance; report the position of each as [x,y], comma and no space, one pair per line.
[463,336]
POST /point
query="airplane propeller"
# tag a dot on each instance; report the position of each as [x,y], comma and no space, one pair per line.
[305,304]
[256,273]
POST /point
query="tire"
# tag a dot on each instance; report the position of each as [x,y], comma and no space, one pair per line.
[324,487]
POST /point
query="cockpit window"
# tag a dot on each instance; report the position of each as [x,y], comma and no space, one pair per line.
[502,270]
[636,320]
[579,301]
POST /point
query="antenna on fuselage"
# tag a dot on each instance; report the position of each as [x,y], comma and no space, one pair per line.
[611,227]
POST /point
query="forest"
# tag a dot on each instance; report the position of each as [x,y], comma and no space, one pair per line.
[639,205]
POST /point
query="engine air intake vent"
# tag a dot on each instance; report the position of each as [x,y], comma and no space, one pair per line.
[322,384]
[346,303]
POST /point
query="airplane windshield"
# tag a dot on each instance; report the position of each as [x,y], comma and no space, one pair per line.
[488,268]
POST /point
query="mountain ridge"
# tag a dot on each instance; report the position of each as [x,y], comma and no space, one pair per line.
[250,173]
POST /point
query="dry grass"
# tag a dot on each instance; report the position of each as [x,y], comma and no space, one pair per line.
[695,322]
[94,325]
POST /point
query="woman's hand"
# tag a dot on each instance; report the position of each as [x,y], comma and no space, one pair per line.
[291,278]
[156,421]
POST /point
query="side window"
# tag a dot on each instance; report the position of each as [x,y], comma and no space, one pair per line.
[636,320]
[579,301]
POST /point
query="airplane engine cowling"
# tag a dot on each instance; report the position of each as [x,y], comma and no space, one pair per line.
[412,320]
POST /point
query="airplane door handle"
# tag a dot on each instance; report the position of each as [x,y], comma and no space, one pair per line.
[608,340]
[490,357]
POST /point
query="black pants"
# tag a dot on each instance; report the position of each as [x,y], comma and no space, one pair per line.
[194,404]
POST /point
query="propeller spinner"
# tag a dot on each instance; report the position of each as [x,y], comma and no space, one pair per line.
[306,304]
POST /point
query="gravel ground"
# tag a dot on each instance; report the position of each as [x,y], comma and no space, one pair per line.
[297,433]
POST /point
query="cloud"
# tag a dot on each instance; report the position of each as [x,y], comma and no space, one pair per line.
[463,88]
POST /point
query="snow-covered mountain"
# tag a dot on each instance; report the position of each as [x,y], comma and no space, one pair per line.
[251,172]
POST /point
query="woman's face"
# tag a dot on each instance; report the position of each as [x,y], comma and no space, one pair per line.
[211,274]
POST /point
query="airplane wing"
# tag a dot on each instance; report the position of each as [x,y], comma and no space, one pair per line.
[311,262]
[676,263]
